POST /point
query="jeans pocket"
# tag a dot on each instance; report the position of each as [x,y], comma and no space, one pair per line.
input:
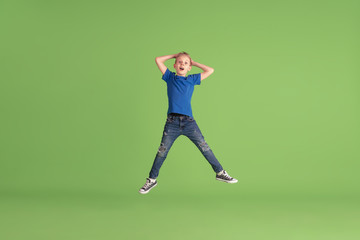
[191,119]
[169,119]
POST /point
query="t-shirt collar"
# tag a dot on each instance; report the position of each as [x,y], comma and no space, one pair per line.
[179,76]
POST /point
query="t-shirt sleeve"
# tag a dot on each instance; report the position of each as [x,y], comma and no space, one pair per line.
[196,79]
[166,75]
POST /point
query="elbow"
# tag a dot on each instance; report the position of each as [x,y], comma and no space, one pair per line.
[209,71]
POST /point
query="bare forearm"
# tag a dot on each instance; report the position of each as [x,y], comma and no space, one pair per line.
[203,67]
[162,59]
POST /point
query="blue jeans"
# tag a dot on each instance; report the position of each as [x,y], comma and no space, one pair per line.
[182,125]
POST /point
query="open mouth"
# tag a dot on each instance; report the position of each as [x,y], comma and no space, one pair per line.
[181,69]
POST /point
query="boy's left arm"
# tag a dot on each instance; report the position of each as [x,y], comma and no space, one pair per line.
[207,70]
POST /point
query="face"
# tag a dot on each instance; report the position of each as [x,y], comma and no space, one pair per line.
[182,65]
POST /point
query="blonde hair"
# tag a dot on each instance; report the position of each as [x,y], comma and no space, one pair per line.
[181,54]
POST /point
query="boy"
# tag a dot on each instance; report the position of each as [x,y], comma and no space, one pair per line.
[180,120]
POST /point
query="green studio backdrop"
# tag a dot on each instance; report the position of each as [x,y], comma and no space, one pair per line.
[83,108]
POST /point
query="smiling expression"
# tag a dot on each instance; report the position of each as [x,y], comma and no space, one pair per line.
[182,65]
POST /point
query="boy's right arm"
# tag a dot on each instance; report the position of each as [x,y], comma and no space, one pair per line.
[160,62]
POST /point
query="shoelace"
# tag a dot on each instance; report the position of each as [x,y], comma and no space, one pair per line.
[225,175]
[147,184]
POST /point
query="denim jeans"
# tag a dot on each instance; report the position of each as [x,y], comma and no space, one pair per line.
[182,125]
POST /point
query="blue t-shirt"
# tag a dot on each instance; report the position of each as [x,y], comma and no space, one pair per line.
[180,90]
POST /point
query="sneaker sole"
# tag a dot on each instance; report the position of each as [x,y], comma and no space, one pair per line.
[145,192]
[222,180]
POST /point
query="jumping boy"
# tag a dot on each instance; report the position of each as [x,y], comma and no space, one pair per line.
[180,120]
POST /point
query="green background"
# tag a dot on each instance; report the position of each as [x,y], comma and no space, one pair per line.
[83,108]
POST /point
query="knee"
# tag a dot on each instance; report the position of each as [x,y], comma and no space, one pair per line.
[204,146]
[162,150]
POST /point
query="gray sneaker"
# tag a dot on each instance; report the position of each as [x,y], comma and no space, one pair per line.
[148,186]
[225,177]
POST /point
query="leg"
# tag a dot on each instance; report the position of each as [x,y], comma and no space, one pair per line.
[170,134]
[194,134]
